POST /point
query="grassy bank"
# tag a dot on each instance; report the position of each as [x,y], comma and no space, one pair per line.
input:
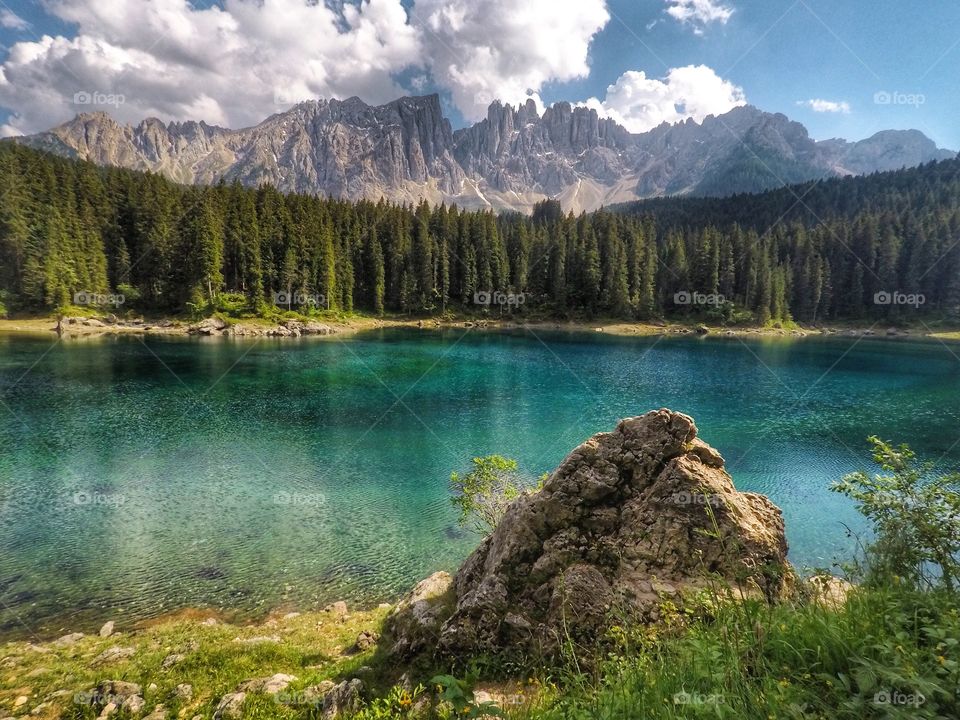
[884,653]
[51,679]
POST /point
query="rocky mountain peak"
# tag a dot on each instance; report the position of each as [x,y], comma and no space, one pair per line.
[406,150]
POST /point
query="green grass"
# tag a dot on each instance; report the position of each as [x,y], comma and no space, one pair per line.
[797,660]
[313,647]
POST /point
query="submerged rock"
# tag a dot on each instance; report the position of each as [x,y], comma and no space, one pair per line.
[630,518]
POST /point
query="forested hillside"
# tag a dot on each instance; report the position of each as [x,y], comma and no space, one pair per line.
[888,248]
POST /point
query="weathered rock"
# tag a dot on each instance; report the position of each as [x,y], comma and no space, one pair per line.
[230,706]
[414,625]
[315,328]
[133,704]
[183,691]
[111,695]
[113,654]
[629,518]
[338,608]
[268,685]
[830,591]
[342,699]
[67,640]
[209,326]
[366,640]
[316,692]
[107,629]
[159,713]
[172,659]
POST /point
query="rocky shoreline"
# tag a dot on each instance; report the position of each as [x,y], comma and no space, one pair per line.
[88,327]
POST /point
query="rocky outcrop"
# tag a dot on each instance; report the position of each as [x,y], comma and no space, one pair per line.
[629,519]
[406,151]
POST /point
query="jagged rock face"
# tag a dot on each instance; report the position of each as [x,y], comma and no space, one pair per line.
[405,151]
[349,149]
[630,518]
[517,150]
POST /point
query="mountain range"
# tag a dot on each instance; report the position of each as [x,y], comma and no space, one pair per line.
[406,150]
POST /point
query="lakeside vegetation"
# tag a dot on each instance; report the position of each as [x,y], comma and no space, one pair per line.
[885,648]
[875,249]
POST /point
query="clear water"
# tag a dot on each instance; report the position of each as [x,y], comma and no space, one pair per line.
[142,476]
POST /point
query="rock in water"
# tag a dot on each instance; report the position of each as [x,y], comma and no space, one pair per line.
[630,518]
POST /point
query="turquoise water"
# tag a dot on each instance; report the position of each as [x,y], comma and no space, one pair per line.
[138,477]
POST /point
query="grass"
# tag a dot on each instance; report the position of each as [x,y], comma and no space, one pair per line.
[312,646]
[882,654]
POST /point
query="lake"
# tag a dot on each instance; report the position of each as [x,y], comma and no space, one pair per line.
[142,476]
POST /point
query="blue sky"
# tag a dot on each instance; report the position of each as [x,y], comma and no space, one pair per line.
[844,68]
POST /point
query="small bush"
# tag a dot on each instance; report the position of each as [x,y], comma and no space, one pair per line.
[915,516]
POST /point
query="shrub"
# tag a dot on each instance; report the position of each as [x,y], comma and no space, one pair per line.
[483,494]
[915,516]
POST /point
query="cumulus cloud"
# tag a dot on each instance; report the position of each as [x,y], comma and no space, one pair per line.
[699,13]
[640,103]
[481,50]
[826,106]
[233,65]
[10,20]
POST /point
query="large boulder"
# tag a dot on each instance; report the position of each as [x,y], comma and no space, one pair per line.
[629,519]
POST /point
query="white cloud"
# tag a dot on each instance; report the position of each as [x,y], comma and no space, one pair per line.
[699,13]
[481,50]
[826,106]
[640,103]
[236,64]
[12,21]
[9,131]
[226,66]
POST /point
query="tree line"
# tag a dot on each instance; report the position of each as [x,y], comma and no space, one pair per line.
[70,230]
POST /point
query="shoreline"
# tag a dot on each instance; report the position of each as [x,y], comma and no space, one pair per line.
[93,327]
